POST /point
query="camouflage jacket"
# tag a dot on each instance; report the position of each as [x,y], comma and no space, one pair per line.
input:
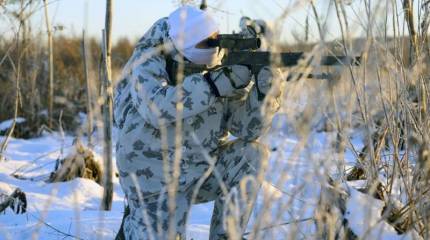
[145,103]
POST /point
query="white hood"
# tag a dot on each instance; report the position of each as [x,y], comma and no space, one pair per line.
[189,25]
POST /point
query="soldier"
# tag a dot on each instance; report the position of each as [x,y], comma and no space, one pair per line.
[208,167]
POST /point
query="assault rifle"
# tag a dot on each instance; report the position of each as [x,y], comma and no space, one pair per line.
[241,50]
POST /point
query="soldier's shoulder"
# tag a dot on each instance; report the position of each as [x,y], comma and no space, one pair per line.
[156,34]
[163,22]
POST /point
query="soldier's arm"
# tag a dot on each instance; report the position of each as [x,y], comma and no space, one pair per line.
[156,101]
[250,117]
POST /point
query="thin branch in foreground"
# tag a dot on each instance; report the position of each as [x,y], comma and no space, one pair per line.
[56,229]
[283,224]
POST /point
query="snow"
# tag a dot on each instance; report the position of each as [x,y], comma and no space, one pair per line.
[293,182]
[5,125]
[367,221]
[71,207]
[363,214]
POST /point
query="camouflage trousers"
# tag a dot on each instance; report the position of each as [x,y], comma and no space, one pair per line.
[237,161]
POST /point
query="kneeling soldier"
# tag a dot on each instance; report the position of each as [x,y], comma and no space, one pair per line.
[170,157]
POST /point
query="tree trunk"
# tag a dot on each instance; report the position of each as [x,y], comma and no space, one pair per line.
[51,66]
[107,109]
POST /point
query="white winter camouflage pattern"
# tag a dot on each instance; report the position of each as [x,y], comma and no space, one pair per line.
[145,110]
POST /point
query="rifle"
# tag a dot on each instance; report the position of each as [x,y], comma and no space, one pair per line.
[241,50]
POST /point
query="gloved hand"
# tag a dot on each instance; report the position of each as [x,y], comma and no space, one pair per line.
[226,80]
[266,78]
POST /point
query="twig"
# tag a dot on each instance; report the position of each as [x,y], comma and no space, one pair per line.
[10,49]
[88,88]
[56,229]
[17,101]
[282,224]
[34,160]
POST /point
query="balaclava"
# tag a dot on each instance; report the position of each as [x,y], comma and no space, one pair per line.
[188,27]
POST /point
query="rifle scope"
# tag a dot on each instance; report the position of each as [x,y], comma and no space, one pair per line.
[235,42]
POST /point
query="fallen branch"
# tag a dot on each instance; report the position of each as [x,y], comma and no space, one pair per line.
[79,163]
[17,201]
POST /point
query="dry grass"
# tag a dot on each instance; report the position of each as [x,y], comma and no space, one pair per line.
[385,99]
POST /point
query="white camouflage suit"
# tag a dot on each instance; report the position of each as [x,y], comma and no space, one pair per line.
[145,112]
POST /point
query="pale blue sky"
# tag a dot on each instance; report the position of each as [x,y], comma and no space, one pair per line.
[133,17]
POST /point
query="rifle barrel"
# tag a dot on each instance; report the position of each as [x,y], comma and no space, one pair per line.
[235,42]
[286,59]
[258,60]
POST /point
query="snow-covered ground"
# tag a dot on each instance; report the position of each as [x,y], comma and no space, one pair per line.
[5,125]
[293,184]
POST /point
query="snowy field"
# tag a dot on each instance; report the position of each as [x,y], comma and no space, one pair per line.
[70,210]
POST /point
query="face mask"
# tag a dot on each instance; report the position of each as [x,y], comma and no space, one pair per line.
[207,56]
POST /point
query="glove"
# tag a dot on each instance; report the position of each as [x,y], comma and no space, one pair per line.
[265,79]
[225,81]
